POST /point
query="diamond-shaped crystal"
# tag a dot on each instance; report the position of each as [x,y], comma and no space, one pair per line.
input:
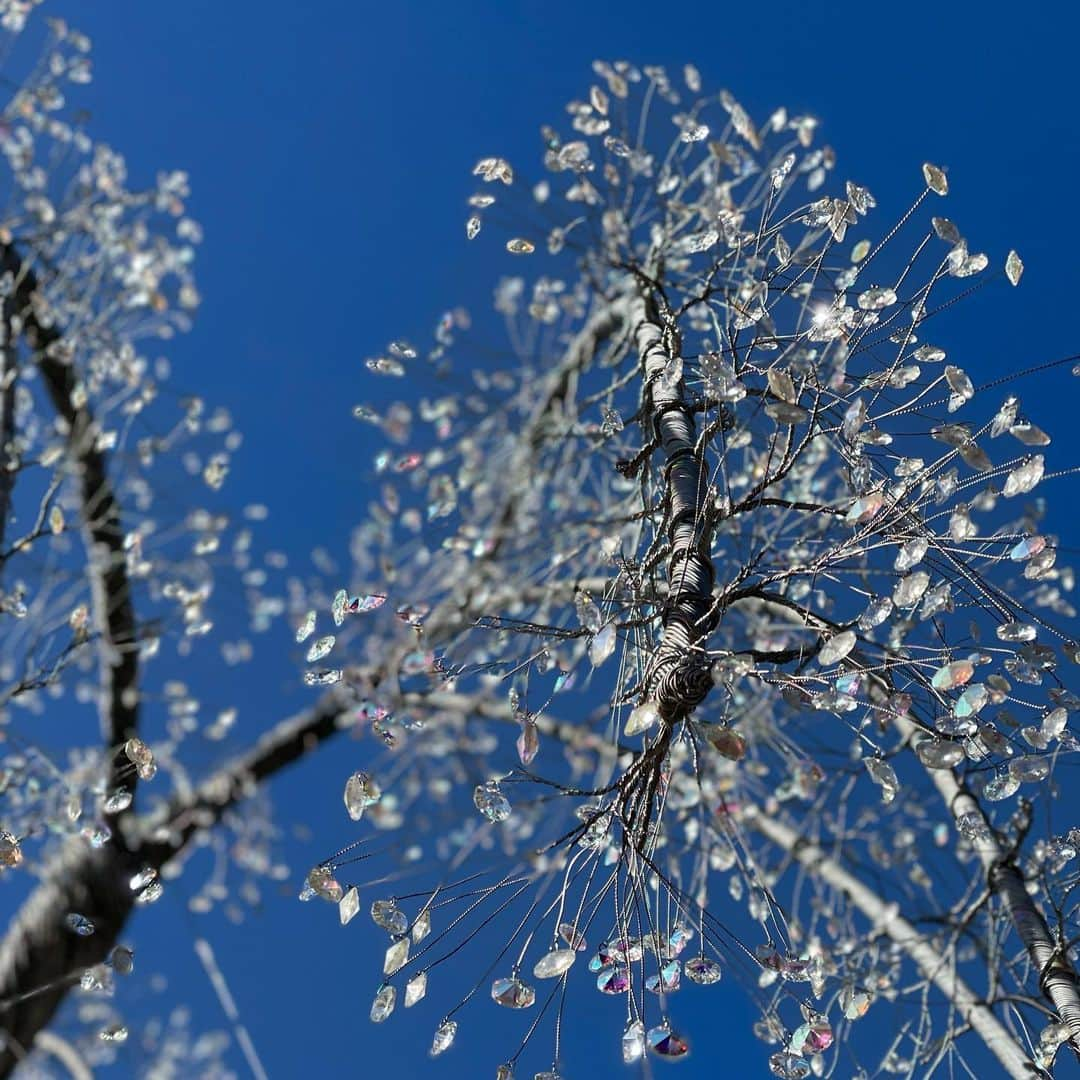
[349,906]
[415,989]
[422,927]
[396,956]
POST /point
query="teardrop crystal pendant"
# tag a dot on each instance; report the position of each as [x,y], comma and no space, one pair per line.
[554,963]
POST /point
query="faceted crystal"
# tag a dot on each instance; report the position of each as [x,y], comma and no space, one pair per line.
[836,648]
[789,1066]
[306,628]
[1024,477]
[666,1043]
[79,924]
[587,612]
[122,960]
[512,993]
[633,1042]
[384,1003]
[397,956]
[349,906]
[321,879]
[813,1036]
[319,648]
[118,799]
[939,754]
[613,980]
[877,298]
[572,936]
[444,1037]
[1014,268]
[491,802]
[602,645]
[884,775]
[935,179]
[726,741]
[528,743]
[703,971]
[667,980]
[415,989]
[643,717]
[151,894]
[909,590]
[1030,768]
[361,791]
[422,927]
[554,963]
[1001,787]
[855,1001]
[953,675]
[971,701]
[389,916]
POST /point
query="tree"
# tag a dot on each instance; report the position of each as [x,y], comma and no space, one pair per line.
[704,634]
[815,627]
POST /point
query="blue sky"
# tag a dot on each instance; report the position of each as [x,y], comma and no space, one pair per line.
[330,146]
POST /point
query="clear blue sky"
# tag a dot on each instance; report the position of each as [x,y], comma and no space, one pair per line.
[330,145]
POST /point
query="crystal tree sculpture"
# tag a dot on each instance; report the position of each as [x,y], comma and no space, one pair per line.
[719,634]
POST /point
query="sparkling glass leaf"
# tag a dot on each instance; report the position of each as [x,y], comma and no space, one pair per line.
[726,741]
[349,906]
[79,924]
[703,971]
[789,1066]
[952,675]
[884,775]
[415,989]
[587,612]
[666,1043]
[633,1042]
[939,754]
[444,1037]
[320,648]
[306,627]
[1014,268]
[321,879]
[643,717]
[528,742]
[383,1005]
[361,791]
[396,956]
[491,802]
[512,993]
[386,914]
[1001,787]
[935,179]
[572,936]
[836,648]
[602,645]
[422,927]
[555,963]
